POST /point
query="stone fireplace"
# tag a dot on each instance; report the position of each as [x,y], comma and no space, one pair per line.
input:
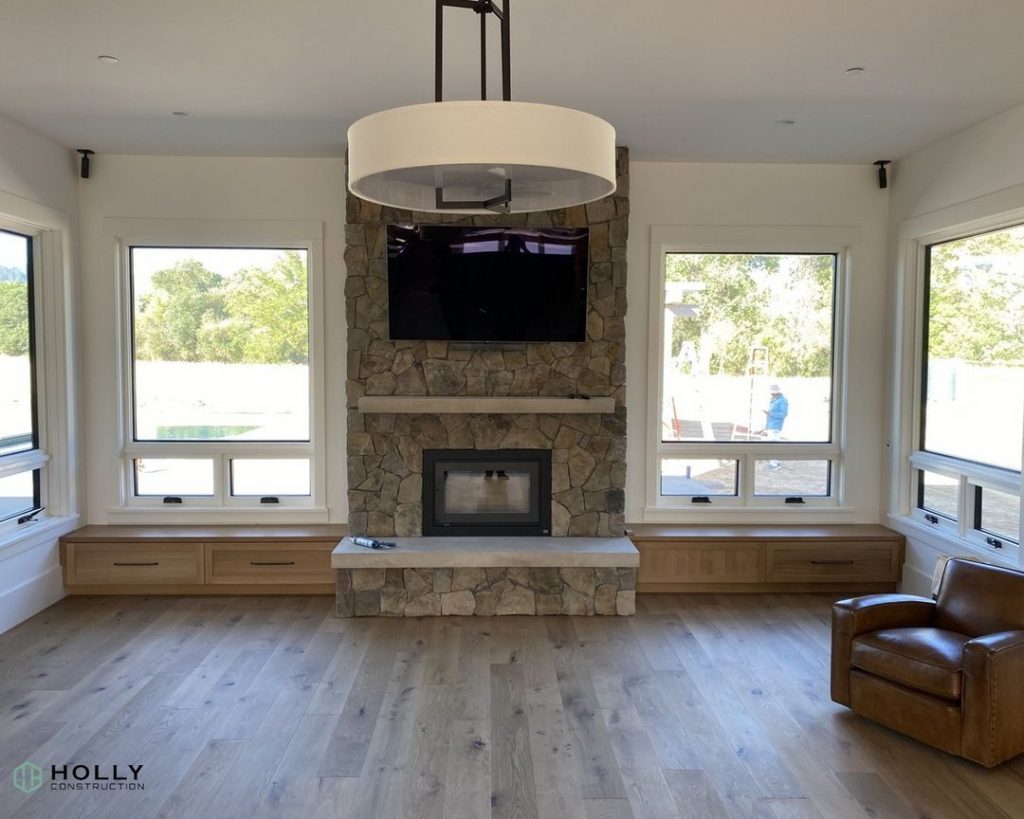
[587,449]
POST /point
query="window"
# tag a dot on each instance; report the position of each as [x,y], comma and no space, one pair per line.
[20,456]
[971,418]
[746,412]
[222,387]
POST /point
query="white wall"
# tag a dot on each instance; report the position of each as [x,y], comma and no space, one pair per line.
[202,188]
[980,160]
[661,194]
[974,174]
[36,168]
[37,183]
[694,194]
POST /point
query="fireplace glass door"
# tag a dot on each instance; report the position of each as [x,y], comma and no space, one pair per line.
[487,492]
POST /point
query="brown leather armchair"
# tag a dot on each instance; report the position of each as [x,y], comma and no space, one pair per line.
[948,672]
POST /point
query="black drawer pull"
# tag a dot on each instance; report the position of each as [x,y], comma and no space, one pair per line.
[831,562]
[271,562]
[148,563]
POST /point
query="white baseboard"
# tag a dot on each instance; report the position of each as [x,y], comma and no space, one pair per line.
[30,597]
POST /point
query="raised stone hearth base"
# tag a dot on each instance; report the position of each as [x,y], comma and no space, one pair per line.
[485,591]
[487,575]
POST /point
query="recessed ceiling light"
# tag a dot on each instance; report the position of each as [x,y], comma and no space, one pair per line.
[179,113]
[855,69]
[107,58]
[785,122]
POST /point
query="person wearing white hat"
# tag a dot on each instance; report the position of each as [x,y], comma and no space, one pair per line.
[778,409]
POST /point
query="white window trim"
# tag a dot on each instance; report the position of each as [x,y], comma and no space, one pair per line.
[55,456]
[221,507]
[988,213]
[841,241]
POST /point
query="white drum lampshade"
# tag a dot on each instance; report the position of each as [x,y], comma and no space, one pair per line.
[454,156]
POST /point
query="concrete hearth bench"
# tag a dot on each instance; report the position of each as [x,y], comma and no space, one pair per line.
[487,576]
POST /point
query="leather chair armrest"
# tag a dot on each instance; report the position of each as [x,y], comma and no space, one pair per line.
[993,717]
[859,615]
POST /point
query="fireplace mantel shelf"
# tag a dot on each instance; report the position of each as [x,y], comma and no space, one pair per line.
[490,404]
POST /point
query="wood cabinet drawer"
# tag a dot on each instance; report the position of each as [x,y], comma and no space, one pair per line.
[833,562]
[700,562]
[249,563]
[148,562]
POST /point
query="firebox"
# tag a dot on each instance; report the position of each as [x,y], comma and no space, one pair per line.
[486,492]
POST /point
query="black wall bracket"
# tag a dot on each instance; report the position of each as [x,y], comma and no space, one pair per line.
[84,164]
[883,179]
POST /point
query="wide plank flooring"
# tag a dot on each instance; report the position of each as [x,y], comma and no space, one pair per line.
[700,706]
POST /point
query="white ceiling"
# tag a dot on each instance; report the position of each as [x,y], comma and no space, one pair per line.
[701,81]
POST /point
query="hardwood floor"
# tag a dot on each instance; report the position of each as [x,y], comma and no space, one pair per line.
[700,706]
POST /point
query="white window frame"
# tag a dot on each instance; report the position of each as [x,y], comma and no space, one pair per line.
[914,238]
[222,506]
[53,323]
[837,241]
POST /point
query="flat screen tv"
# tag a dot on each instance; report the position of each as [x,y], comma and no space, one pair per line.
[487,284]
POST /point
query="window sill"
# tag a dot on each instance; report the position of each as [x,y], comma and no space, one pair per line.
[750,514]
[121,514]
[942,541]
[30,535]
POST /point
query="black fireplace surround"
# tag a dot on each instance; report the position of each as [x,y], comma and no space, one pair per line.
[487,492]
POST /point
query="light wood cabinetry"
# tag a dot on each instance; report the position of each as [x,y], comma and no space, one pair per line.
[701,562]
[200,560]
[830,562]
[854,558]
[135,563]
[268,563]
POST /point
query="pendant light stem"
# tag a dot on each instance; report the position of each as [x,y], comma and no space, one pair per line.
[502,202]
[506,54]
[483,56]
[483,8]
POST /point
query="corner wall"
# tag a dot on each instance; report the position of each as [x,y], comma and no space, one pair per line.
[973,174]
[34,171]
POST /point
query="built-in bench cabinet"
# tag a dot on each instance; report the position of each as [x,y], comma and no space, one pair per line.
[842,558]
[200,559]
[297,559]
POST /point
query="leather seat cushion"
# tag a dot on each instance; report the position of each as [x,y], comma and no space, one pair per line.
[925,659]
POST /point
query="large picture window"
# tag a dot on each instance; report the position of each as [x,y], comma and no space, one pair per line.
[967,466]
[20,456]
[746,379]
[221,382]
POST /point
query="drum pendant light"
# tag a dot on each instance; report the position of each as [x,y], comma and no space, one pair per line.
[480,156]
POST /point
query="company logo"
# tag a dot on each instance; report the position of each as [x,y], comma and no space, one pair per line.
[28,777]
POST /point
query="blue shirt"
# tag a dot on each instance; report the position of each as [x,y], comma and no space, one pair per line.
[778,409]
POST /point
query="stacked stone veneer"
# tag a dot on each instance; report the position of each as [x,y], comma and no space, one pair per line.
[588,450]
[469,591]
